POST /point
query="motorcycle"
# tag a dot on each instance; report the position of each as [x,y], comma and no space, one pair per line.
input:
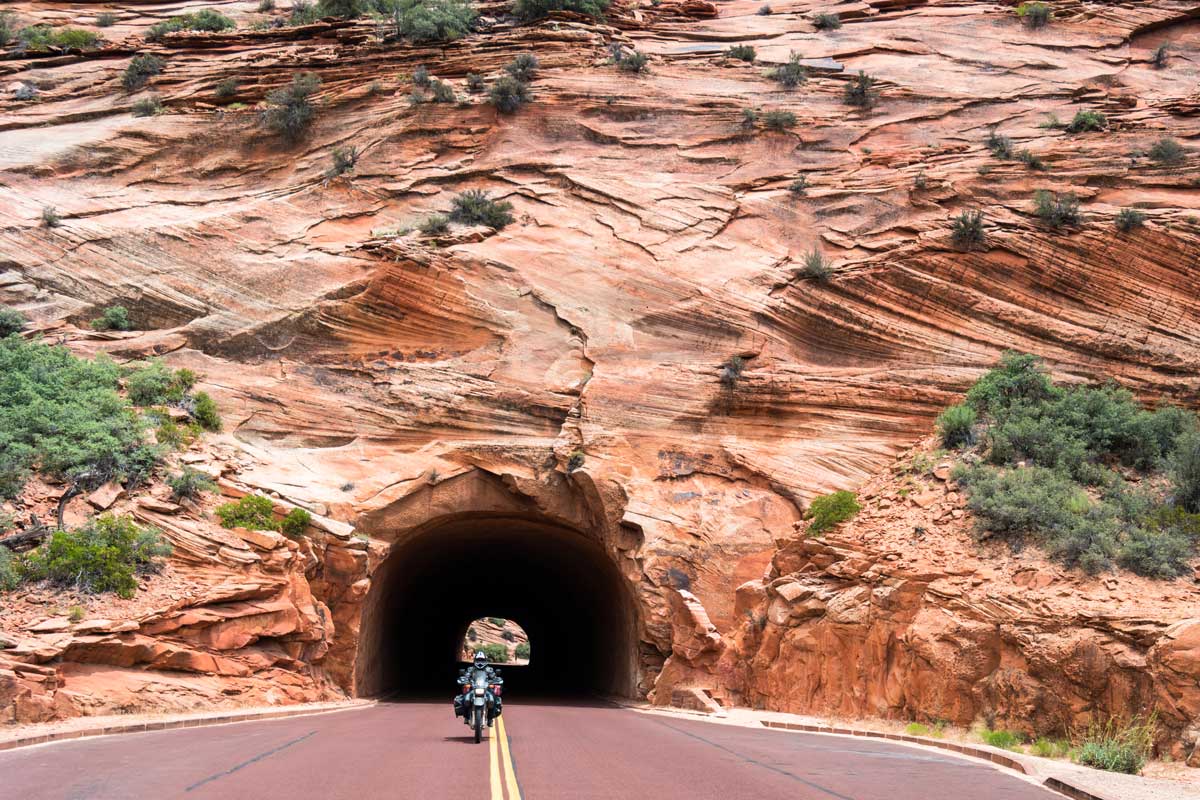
[479,702]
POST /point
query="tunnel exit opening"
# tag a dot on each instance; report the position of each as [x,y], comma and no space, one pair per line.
[562,586]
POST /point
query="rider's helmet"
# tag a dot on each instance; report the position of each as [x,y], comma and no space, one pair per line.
[480,659]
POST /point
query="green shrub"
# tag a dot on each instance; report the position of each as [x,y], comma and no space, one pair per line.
[523,67]
[475,83]
[499,622]
[764,10]
[141,68]
[1158,553]
[529,10]
[303,12]
[190,484]
[1129,218]
[173,436]
[265,6]
[731,371]
[344,9]
[10,575]
[474,207]
[290,111]
[147,106]
[749,118]
[435,224]
[496,653]
[8,22]
[50,217]
[831,509]
[1159,59]
[11,321]
[1031,160]
[205,19]
[779,120]
[1087,121]
[105,555]
[295,523]
[1167,151]
[113,318]
[633,61]
[860,92]
[1056,210]
[253,512]
[62,416]
[508,94]
[1050,748]
[791,74]
[205,412]
[421,77]
[742,52]
[957,425]
[576,460]
[226,88]
[343,160]
[156,384]
[1185,470]
[816,265]
[916,729]
[1006,740]
[442,92]
[523,651]
[1118,746]
[106,19]
[827,22]
[40,38]
[798,187]
[433,20]
[1035,15]
[1017,378]
[966,232]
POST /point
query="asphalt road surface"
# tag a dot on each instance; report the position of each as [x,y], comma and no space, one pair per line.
[543,750]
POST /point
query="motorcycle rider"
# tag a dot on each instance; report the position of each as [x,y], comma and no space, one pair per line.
[466,679]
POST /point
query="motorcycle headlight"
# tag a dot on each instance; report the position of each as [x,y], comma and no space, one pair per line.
[479,691]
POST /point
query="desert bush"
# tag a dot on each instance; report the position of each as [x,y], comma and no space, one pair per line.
[289,110]
[190,484]
[916,729]
[295,523]
[816,265]
[50,217]
[25,91]
[508,94]
[1001,146]
[421,77]
[966,232]
[633,61]
[831,509]
[8,26]
[496,653]
[1167,151]
[779,120]
[343,160]
[764,11]
[106,19]
[344,9]
[435,224]
[10,575]
[523,67]
[749,118]
[1129,218]
[1019,377]
[433,20]
[252,511]
[105,555]
[205,413]
[1085,121]
[1118,746]
[265,6]
[11,321]
[957,425]
[1159,552]
[226,88]
[474,207]
[173,436]
[205,19]
[475,83]
[1056,210]
[860,92]
[731,371]
[576,460]
[147,106]
[523,651]
[827,22]
[1184,466]
[156,384]
[798,187]
[62,416]
[1006,740]
[790,74]
[742,52]
[39,38]
[113,318]
[529,10]
[303,12]
[1031,160]
[141,68]
[1035,15]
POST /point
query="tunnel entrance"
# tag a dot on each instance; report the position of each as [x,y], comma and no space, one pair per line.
[563,587]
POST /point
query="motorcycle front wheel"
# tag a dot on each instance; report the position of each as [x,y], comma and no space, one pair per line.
[478,724]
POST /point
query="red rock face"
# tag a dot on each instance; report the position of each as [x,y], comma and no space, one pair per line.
[655,239]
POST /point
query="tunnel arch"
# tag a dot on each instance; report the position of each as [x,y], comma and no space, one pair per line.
[472,547]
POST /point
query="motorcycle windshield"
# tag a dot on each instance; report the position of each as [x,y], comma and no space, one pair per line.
[480,680]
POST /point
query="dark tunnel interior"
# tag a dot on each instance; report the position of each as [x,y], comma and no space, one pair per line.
[561,587]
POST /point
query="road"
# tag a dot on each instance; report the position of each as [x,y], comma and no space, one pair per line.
[547,750]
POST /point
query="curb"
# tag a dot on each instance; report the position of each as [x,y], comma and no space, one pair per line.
[1003,760]
[164,725]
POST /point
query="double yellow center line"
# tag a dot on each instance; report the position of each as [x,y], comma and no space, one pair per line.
[501,762]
